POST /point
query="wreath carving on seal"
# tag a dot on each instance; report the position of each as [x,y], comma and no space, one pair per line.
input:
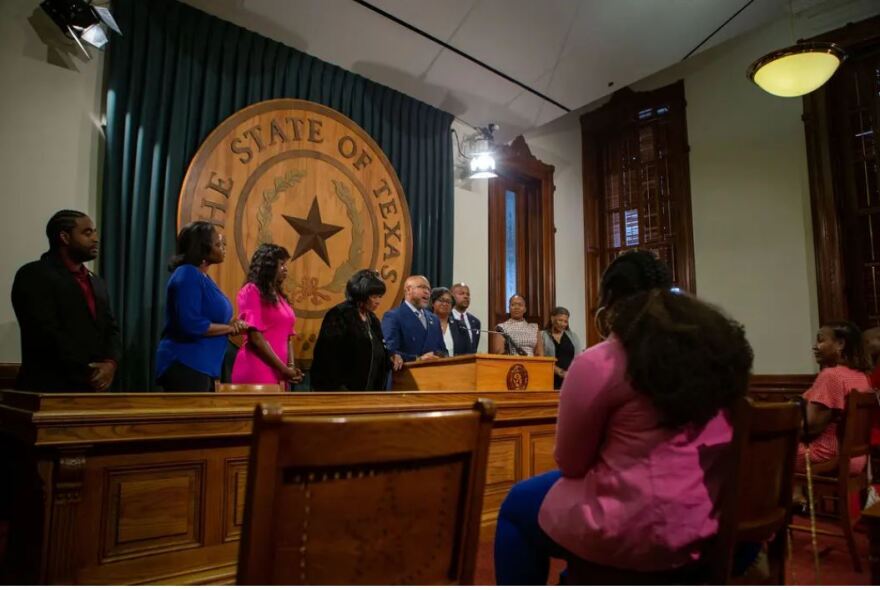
[308,287]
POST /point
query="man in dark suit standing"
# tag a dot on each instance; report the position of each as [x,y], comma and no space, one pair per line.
[411,330]
[69,338]
[462,295]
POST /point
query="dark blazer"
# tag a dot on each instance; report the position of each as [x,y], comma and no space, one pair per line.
[460,341]
[475,330]
[344,353]
[59,336]
[405,335]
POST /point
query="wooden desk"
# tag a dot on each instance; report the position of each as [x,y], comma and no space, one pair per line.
[872,519]
[148,488]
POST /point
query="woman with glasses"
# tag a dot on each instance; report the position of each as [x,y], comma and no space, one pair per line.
[455,335]
[350,354]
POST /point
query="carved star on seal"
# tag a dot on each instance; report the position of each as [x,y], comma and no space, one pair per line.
[313,233]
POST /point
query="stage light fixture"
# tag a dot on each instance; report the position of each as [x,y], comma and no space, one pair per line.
[478,149]
[82,22]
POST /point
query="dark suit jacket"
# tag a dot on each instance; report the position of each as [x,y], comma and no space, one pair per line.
[460,341]
[475,330]
[405,335]
[343,358]
[59,336]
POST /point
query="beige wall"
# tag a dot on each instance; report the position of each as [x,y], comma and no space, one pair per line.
[49,151]
[753,244]
[751,205]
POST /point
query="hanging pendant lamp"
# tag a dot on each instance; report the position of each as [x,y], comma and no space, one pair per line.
[796,70]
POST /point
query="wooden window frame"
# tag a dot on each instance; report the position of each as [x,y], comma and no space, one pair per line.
[536,254]
[826,184]
[595,127]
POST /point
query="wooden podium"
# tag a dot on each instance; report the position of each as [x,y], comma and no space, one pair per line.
[477,372]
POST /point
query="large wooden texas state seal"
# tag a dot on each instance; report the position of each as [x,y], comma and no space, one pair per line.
[301,175]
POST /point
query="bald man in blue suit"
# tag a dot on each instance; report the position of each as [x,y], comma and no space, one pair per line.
[411,330]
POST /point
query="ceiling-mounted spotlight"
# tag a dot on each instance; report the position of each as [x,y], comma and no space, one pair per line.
[796,70]
[478,149]
[82,22]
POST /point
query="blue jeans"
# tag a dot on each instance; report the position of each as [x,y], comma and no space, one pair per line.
[522,549]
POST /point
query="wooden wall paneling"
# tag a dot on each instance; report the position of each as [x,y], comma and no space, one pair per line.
[153,509]
[541,442]
[146,488]
[8,375]
[779,387]
[234,486]
[67,486]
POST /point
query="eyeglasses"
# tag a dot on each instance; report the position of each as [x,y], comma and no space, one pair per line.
[446,301]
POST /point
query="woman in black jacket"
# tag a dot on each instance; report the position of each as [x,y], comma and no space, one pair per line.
[350,353]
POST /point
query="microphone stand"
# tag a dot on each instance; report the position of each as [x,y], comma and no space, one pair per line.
[510,347]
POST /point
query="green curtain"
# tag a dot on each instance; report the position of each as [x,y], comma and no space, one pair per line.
[172,77]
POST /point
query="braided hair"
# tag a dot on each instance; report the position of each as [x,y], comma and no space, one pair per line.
[264,268]
[62,221]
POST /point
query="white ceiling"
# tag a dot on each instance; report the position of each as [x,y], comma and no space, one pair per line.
[569,50]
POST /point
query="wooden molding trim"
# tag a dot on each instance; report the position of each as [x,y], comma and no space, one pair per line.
[8,375]
[517,165]
[596,127]
[825,188]
[779,387]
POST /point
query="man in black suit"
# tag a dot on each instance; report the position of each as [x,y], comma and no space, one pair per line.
[69,338]
[462,294]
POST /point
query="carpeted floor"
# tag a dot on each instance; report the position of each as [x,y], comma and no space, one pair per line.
[835,565]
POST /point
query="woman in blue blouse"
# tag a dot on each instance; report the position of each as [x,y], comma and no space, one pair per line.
[198,316]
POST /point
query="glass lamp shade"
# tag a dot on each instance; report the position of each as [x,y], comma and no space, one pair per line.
[482,166]
[796,70]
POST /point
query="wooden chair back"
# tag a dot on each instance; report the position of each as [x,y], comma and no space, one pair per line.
[756,503]
[855,431]
[365,499]
[245,387]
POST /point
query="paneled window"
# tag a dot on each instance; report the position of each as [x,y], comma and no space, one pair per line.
[842,126]
[636,185]
[521,240]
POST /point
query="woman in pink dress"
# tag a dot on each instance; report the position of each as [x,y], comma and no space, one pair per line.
[640,438]
[843,365]
[266,354]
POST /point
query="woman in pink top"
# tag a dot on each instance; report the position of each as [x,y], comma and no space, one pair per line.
[266,354]
[843,366]
[640,436]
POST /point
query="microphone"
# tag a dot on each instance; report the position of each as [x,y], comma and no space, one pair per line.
[509,344]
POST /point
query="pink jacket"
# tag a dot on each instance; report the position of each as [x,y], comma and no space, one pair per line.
[633,495]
